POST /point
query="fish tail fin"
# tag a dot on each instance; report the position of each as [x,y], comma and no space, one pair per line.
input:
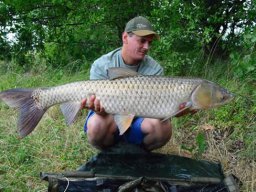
[29,112]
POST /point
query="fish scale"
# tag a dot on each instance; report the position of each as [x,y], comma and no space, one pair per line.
[125,95]
[118,96]
[149,96]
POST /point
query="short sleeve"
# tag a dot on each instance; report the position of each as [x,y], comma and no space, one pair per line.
[151,67]
[98,69]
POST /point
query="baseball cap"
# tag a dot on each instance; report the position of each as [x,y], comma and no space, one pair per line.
[140,26]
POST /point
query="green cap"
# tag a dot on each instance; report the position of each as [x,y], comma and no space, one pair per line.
[140,26]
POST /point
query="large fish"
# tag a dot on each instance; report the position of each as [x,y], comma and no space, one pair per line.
[125,94]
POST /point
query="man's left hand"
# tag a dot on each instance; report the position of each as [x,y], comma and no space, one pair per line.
[186,111]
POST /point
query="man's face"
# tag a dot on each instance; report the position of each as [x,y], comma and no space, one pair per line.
[138,46]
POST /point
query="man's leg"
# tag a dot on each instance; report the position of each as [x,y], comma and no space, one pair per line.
[100,130]
[157,133]
[152,133]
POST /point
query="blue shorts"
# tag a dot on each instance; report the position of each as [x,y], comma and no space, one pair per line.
[133,135]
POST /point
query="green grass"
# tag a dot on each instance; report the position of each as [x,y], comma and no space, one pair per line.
[226,134]
[52,147]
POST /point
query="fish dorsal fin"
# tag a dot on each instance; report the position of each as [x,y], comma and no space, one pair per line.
[118,72]
[70,111]
[123,122]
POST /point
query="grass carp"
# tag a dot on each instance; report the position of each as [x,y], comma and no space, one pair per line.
[125,94]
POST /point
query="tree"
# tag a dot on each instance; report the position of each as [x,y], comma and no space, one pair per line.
[69,29]
[194,33]
[64,31]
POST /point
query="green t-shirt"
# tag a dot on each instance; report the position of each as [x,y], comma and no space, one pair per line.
[148,66]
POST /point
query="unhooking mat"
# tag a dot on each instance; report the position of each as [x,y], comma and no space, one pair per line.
[130,169]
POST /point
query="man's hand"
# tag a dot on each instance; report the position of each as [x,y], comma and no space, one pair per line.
[186,111]
[93,104]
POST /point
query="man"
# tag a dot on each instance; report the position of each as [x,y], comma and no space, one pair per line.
[100,127]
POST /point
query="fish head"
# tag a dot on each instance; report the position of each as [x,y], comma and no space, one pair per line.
[209,95]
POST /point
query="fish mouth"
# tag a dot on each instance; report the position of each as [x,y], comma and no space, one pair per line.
[228,97]
[231,96]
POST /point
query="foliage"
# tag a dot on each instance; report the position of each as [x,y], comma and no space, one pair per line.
[67,30]
[198,32]
[193,33]
[243,60]
[201,143]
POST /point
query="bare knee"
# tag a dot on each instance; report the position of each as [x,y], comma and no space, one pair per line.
[157,133]
[100,131]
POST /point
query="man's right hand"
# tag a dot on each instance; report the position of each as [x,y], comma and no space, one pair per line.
[93,104]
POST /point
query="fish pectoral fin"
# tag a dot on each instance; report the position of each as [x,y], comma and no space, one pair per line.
[117,72]
[123,122]
[188,105]
[70,111]
[168,117]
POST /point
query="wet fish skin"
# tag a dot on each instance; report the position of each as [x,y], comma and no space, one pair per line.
[125,95]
